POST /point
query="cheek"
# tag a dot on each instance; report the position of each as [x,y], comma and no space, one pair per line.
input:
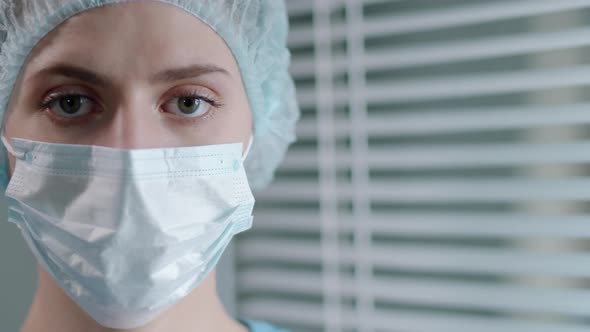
[244,117]
[233,122]
[227,126]
[21,118]
[239,124]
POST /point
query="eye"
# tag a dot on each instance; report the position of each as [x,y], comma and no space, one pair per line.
[188,106]
[70,106]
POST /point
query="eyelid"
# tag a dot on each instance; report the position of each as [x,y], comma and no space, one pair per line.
[200,92]
[59,92]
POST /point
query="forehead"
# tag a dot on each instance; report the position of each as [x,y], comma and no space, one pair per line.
[132,38]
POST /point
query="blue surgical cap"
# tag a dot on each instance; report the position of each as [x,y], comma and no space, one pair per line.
[254,30]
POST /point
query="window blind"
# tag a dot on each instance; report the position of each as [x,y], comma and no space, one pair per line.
[441,179]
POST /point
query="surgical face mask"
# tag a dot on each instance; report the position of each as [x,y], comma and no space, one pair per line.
[128,233]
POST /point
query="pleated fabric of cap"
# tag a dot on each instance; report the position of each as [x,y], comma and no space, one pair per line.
[255,31]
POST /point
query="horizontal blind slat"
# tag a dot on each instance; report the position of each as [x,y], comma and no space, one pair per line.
[410,320]
[305,66]
[437,121]
[442,121]
[287,311]
[444,190]
[299,7]
[462,294]
[432,258]
[445,156]
[429,321]
[483,48]
[474,85]
[481,12]
[428,156]
[478,190]
[441,224]
[470,259]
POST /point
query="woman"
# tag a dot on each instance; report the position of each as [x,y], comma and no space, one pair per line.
[126,125]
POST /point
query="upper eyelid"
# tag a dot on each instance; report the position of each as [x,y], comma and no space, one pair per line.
[68,91]
[201,98]
[196,91]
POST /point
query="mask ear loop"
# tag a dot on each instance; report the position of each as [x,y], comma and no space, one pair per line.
[250,141]
[10,149]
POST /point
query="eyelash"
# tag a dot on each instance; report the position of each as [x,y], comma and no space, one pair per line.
[47,102]
[191,93]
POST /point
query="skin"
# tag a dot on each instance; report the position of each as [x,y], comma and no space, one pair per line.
[127,109]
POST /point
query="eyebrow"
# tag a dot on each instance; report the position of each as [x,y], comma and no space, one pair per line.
[168,75]
[193,71]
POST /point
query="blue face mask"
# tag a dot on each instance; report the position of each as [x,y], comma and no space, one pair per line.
[128,233]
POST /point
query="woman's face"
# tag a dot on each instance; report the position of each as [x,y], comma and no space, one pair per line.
[132,75]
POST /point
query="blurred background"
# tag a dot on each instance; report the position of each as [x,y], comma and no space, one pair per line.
[440,183]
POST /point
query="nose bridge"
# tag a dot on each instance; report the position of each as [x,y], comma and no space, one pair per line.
[132,124]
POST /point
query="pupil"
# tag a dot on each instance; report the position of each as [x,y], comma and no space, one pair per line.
[70,105]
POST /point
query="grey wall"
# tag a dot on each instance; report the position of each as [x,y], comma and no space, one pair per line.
[18,276]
